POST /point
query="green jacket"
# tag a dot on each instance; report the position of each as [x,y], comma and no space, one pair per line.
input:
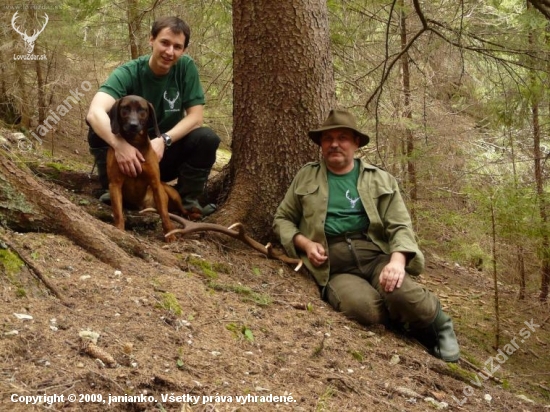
[304,209]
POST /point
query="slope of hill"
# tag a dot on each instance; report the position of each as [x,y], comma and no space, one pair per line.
[226,329]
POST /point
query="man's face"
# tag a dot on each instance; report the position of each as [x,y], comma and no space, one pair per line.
[167,49]
[337,148]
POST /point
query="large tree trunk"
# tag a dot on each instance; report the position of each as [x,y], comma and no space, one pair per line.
[283,86]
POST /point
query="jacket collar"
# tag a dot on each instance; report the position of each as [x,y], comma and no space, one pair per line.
[362,166]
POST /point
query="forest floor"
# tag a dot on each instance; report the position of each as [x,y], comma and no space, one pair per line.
[229,330]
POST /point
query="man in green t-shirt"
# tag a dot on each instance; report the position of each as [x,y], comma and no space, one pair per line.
[169,80]
[347,221]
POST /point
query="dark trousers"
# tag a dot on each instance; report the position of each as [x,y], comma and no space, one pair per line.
[355,290]
[197,149]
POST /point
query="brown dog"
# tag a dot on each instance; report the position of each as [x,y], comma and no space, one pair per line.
[131,116]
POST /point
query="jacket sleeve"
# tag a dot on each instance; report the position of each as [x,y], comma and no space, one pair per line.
[287,219]
[399,231]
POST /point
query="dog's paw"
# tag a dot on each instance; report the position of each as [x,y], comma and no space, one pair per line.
[170,239]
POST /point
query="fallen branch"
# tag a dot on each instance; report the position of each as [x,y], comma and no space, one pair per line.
[36,271]
[479,370]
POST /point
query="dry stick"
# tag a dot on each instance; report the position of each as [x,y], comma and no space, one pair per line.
[34,269]
[471,365]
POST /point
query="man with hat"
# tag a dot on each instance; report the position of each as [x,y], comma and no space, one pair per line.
[347,221]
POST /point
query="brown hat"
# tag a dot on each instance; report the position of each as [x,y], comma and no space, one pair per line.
[338,118]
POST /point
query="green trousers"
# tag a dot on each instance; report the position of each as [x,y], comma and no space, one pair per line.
[354,288]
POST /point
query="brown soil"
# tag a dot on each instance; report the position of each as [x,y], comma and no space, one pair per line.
[233,323]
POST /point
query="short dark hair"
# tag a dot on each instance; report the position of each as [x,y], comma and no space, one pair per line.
[175,24]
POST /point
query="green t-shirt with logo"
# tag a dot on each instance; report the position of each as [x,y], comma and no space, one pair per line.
[169,94]
[345,209]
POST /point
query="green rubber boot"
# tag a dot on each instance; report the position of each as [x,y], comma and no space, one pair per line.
[440,338]
[191,184]
[100,158]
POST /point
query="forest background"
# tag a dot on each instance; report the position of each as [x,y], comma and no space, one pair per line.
[453,94]
[455,100]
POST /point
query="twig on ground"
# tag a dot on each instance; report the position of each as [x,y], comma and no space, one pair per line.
[36,271]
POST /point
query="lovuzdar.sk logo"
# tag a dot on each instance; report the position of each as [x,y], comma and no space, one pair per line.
[29,40]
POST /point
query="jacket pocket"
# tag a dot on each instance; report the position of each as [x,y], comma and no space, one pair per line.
[381,190]
[309,198]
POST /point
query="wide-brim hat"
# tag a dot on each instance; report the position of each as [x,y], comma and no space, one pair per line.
[339,118]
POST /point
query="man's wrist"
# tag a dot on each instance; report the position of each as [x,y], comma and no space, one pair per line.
[166,139]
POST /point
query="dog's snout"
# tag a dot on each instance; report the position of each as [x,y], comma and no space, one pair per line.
[134,125]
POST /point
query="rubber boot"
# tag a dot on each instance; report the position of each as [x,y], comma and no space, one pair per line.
[440,337]
[100,158]
[191,184]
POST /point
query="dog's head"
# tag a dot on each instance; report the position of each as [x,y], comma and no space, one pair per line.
[132,115]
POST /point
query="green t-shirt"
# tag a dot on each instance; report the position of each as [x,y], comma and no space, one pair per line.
[345,209]
[169,94]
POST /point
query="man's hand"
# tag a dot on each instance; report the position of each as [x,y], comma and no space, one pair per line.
[393,273]
[129,158]
[315,251]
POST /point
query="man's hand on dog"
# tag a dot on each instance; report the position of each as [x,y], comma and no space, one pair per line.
[129,158]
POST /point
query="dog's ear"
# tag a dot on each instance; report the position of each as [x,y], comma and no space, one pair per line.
[114,116]
[153,119]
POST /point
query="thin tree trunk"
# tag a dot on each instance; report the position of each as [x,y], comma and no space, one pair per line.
[407,113]
[22,94]
[521,271]
[41,100]
[539,181]
[134,28]
[495,276]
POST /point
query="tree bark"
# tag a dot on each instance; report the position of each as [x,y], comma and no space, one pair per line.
[283,87]
[134,28]
[539,181]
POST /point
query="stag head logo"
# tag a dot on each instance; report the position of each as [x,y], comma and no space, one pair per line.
[29,40]
[173,101]
[352,201]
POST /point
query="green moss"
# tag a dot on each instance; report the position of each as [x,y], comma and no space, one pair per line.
[357,355]
[58,166]
[248,294]
[324,399]
[12,265]
[14,199]
[11,262]
[170,303]
[471,359]
[20,292]
[56,169]
[462,374]
[240,331]
[208,269]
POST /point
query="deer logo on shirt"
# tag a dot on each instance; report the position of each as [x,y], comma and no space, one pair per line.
[173,101]
[352,202]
